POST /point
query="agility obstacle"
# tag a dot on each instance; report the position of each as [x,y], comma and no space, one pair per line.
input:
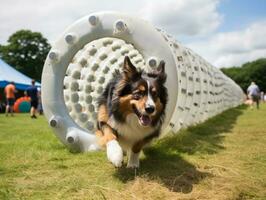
[83,60]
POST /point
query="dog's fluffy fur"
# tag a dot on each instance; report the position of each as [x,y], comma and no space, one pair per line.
[131,112]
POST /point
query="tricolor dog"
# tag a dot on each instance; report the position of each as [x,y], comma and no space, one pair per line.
[131,112]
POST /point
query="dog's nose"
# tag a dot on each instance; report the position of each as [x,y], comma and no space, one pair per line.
[150,109]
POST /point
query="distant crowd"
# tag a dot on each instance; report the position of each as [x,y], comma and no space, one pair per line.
[32,91]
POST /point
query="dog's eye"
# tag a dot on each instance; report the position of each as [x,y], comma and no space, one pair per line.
[154,94]
[137,95]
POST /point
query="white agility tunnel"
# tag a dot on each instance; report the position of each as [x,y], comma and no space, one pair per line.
[83,60]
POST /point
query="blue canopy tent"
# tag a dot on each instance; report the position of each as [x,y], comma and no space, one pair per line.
[9,74]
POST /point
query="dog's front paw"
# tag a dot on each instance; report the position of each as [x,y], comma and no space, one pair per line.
[133,160]
[114,153]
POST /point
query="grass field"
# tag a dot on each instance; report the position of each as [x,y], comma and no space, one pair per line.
[223,158]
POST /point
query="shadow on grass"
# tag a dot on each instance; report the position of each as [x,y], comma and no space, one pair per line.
[203,138]
[170,169]
[163,160]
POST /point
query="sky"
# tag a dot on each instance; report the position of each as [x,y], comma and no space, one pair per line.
[224,32]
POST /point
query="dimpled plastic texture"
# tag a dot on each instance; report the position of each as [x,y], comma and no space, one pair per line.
[88,74]
[88,54]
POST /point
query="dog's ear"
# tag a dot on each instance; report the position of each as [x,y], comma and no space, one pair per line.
[161,72]
[129,70]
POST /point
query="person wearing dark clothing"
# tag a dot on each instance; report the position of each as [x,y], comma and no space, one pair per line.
[32,92]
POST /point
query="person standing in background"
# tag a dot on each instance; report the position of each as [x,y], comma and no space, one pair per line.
[253,92]
[10,91]
[32,92]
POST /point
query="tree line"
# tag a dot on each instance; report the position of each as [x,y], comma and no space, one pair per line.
[248,72]
[26,51]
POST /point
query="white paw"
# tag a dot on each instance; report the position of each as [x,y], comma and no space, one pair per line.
[133,160]
[114,153]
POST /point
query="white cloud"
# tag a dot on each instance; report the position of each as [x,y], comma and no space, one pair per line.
[50,17]
[187,17]
[193,18]
[234,48]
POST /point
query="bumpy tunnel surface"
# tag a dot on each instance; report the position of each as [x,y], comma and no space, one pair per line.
[83,60]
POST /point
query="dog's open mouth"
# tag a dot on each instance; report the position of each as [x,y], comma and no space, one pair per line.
[144,120]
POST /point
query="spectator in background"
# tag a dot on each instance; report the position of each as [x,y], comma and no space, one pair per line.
[32,92]
[10,91]
[253,92]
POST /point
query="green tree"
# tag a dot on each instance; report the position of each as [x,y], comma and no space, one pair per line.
[248,72]
[26,51]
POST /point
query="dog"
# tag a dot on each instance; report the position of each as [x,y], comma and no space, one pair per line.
[131,111]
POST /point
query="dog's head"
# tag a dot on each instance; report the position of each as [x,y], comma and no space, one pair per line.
[142,94]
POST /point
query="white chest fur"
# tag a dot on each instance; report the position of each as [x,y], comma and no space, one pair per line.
[131,131]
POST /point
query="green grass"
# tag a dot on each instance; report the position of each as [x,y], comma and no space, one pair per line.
[223,158]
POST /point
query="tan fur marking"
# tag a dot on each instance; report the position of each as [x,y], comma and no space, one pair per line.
[125,106]
[99,133]
[140,104]
[153,91]
[103,114]
[106,134]
[142,88]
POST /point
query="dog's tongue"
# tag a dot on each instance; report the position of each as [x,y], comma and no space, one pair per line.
[145,120]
